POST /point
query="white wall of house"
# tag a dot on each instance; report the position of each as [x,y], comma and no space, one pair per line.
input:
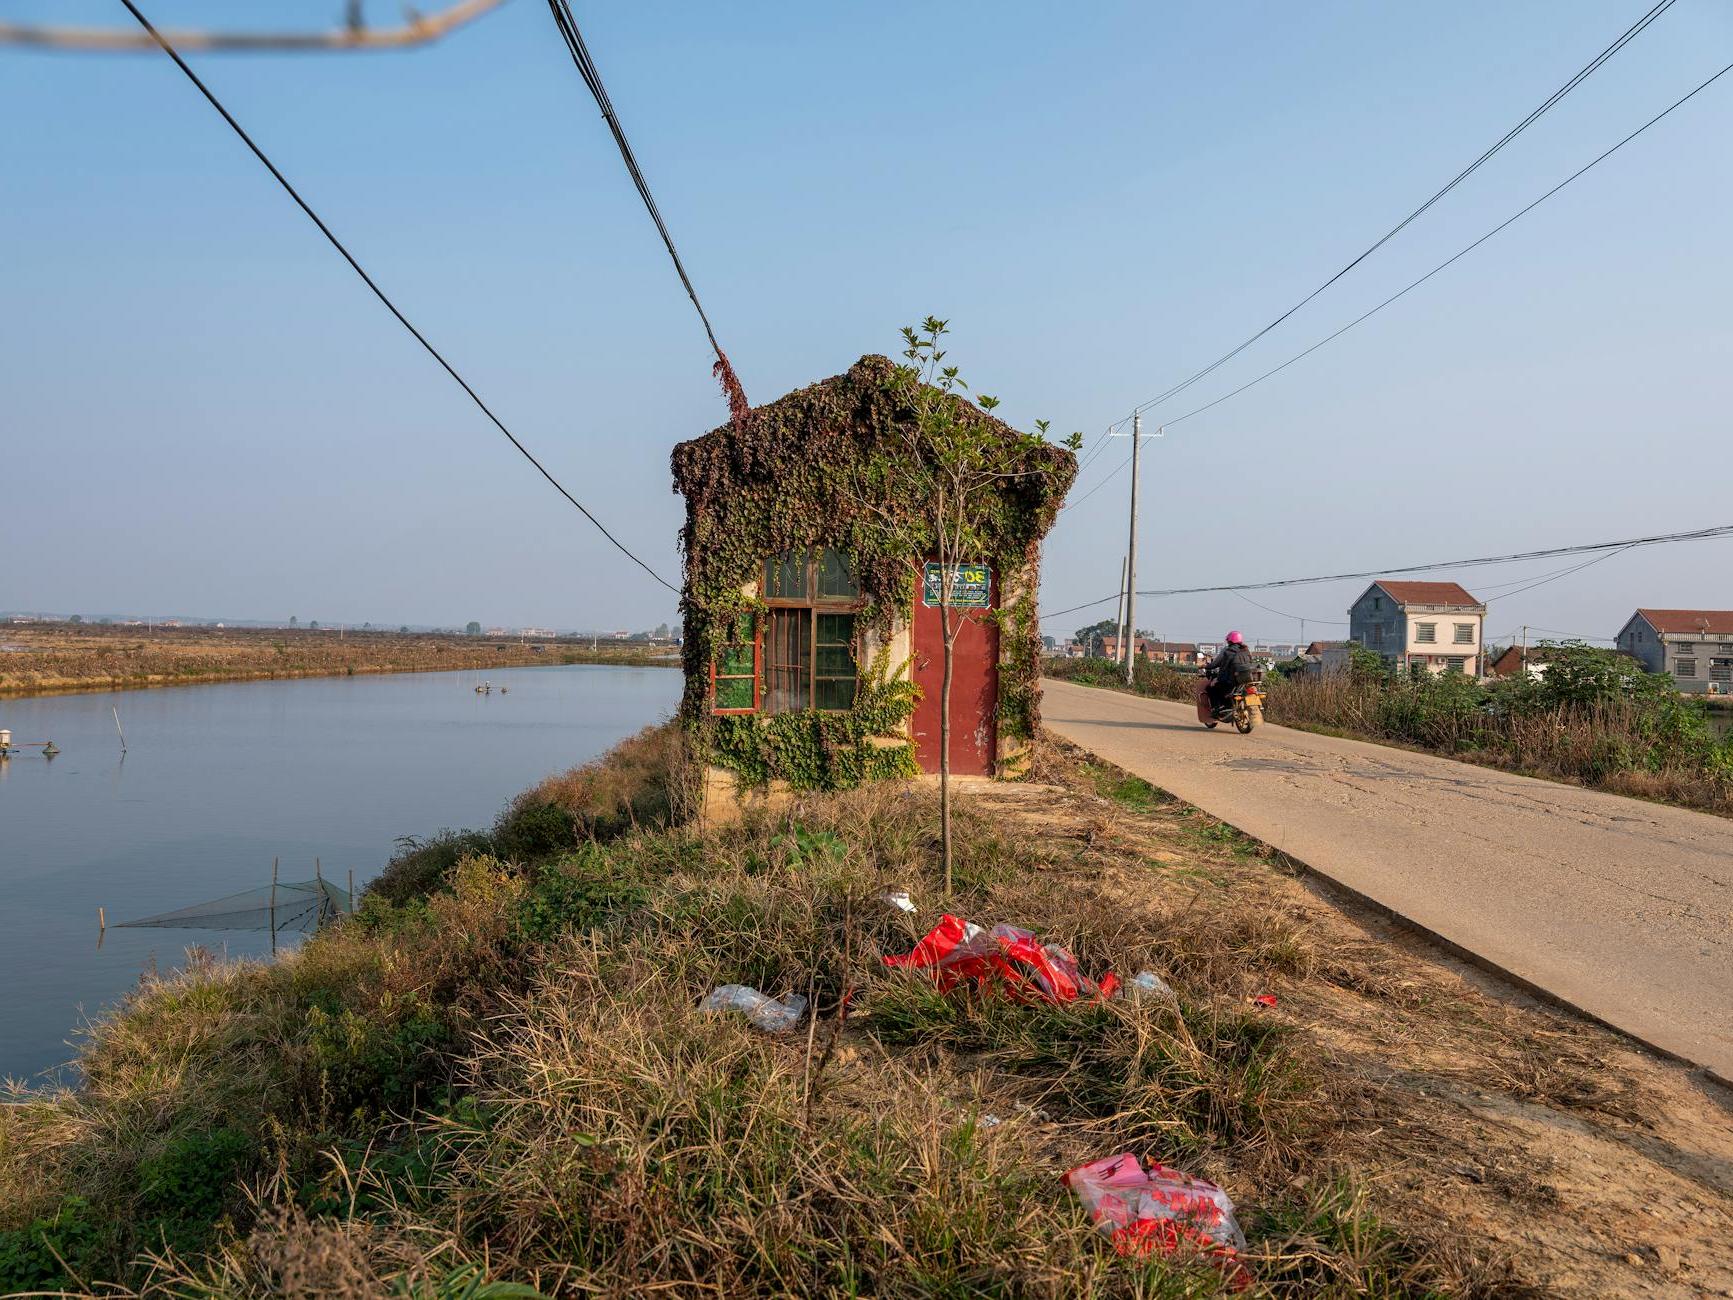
[1443,637]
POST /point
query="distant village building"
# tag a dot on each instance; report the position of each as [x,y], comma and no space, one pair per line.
[813,642]
[1327,656]
[1694,645]
[1163,652]
[1432,625]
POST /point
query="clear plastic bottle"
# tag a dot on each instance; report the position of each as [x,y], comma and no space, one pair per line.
[767,1013]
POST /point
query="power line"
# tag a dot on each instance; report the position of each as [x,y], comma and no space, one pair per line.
[1562,573]
[1577,79]
[1659,539]
[1509,221]
[380,293]
[1298,618]
[1113,474]
[568,28]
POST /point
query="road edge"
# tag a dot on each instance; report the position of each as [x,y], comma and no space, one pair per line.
[1720,1085]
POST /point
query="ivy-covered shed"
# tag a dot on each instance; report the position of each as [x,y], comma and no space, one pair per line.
[813,640]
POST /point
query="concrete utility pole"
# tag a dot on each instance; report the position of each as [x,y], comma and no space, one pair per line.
[1130,642]
[1119,616]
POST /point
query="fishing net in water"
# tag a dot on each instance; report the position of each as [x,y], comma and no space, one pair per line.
[299,906]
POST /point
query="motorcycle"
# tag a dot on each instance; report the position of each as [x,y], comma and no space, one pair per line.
[1245,707]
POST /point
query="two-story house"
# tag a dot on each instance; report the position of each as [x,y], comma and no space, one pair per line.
[1433,625]
[1694,645]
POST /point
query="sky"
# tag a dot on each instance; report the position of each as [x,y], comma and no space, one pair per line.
[204,412]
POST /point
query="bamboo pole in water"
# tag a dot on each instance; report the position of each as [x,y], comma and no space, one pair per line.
[273,905]
[116,709]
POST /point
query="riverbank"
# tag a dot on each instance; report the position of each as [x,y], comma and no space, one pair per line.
[497,1070]
[55,659]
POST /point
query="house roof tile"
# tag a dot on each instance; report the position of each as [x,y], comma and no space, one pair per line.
[1714,621]
[1429,593]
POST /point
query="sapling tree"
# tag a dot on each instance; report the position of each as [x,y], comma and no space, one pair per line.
[951,467]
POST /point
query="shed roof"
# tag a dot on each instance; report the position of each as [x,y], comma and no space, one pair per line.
[1716,622]
[1428,593]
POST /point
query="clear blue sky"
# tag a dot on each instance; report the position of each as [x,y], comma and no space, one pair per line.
[204,412]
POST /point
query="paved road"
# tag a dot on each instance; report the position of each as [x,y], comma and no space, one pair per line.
[1619,907]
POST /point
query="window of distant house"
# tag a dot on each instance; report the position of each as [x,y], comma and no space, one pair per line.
[734,674]
[1377,602]
[809,653]
[1465,634]
[1426,633]
[1685,668]
[1684,647]
[1456,664]
[1721,670]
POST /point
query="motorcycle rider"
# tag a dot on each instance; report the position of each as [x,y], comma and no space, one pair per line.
[1231,667]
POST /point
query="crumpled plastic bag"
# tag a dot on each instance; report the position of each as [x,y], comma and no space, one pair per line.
[1158,1210]
[765,1012]
[956,951]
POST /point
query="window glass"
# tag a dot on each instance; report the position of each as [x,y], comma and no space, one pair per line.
[835,582]
[737,668]
[1465,634]
[1426,632]
[785,576]
[788,661]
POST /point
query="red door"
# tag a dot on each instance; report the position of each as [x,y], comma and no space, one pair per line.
[974,687]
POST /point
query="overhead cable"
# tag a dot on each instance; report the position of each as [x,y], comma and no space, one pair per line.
[1581,75]
[380,293]
[568,28]
[1509,221]
[1659,539]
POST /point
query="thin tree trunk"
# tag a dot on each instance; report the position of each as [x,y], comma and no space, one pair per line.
[945,737]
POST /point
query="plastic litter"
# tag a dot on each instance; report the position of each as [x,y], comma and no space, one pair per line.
[1158,1210]
[1147,984]
[1263,1000]
[959,951]
[766,1013]
[899,899]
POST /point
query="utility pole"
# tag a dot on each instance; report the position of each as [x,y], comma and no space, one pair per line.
[1119,616]
[1131,557]
[1525,649]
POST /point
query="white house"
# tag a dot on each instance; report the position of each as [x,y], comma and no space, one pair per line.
[1432,625]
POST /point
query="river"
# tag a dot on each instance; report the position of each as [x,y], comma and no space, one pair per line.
[218,780]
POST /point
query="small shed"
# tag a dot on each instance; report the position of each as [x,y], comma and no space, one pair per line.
[813,646]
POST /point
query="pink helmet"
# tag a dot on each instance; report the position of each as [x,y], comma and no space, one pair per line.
[1234,638]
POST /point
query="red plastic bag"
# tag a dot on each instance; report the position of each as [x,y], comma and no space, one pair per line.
[1158,1210]
[956,950]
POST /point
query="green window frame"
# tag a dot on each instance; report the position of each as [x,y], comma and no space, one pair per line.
[810,654]
[734,675]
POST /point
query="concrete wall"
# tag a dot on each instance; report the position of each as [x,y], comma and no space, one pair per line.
[1643,644]
[1375,622]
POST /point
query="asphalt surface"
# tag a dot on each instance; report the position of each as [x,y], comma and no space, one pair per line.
[1621,908]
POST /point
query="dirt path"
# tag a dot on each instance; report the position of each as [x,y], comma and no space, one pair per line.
[1621,908]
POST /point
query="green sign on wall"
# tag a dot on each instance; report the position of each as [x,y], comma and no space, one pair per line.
[971,586]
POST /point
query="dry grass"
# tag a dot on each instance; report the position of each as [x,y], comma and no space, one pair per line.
[66,657]
[502,1075]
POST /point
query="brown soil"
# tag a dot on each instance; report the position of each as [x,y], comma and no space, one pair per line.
[1481,1115]
[51,658]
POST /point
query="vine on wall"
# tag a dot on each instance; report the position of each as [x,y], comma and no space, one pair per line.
[815,468]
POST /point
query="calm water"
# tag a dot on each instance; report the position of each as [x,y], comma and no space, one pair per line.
[218,780]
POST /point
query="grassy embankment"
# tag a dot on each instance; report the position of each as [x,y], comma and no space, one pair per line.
[1597,726]
[65,657]
[495,1073]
